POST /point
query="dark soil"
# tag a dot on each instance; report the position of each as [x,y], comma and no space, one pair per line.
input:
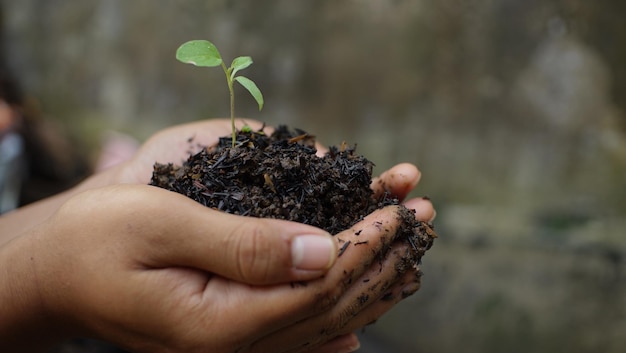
[280,176]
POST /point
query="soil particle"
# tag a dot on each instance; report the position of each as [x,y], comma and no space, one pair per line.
[343,248]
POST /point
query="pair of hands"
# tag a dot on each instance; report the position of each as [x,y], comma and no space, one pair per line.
[154,271]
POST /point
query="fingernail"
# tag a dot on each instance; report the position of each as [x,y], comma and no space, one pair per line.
[351,348]
[313,252]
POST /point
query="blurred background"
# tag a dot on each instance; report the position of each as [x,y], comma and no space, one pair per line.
[512,109]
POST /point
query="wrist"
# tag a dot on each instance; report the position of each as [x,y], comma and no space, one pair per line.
[26,218]
[25,324]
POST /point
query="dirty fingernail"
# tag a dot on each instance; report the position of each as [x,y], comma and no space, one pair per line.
[313,252]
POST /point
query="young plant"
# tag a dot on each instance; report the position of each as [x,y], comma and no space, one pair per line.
[204,53]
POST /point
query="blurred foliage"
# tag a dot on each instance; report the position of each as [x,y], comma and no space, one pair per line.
[512,109]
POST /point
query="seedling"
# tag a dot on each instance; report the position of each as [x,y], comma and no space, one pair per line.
[204,54]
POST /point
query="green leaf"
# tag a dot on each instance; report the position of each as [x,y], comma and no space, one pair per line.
[252,88]
[199,53]
[240,63]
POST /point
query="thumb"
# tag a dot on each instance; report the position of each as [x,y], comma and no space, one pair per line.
[245,249]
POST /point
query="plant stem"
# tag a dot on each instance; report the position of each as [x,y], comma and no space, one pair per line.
[231,90]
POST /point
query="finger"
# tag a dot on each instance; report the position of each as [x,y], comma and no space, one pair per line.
[398,181]
[398,268]
[370,314]
[381,287]
[282,306]
[424,210]
[244,249]
[343,344]
[360,252]
[362,305]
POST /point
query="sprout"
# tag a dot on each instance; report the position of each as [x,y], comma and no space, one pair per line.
[204,53]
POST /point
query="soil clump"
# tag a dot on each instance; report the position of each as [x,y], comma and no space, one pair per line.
[280,176]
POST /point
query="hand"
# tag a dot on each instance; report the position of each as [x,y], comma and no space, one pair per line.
[153,271]
[102,226]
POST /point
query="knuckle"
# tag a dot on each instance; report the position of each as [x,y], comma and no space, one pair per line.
[335,323]
[333,290]
[328,299]
[253,251]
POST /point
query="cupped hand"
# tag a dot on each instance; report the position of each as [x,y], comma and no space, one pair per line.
[153,271]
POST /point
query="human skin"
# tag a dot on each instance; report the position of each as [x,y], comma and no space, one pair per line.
[153,271]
